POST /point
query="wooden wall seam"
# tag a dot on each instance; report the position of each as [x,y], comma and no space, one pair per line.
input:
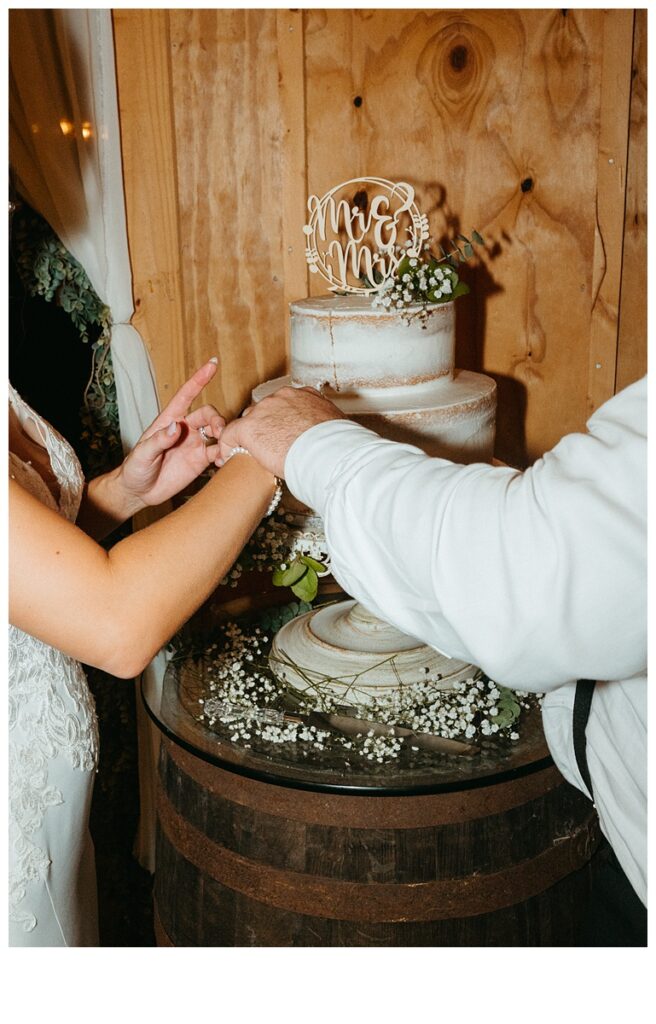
[149,162]
[632,336]
[291,79]
[610,204]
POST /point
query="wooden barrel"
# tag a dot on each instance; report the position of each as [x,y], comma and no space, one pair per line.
[243,862]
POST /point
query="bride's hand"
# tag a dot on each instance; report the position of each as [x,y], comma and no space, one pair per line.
[172,451]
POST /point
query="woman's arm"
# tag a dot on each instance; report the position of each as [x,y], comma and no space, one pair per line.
[115,609]
[166,458]
[106,505]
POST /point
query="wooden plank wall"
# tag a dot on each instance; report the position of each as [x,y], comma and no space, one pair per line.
[632,348]
[526,125]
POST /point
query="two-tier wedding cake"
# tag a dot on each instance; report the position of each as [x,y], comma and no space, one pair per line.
[384,353]
[393,371]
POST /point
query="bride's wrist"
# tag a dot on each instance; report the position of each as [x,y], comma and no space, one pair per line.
[124,501]
[277,484]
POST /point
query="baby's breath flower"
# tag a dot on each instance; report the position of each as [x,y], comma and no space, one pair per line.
[240,692]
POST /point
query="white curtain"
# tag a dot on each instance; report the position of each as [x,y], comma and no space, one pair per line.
[65,152]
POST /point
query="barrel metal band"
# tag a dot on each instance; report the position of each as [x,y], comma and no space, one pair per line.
[373,811]
[319,896]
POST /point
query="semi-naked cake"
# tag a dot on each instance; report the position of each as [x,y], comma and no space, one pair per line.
[387,361]
[393,371]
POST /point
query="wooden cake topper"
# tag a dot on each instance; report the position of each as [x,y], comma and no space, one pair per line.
[348,242]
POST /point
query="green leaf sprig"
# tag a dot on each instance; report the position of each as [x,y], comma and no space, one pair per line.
[301,575]
[425,279]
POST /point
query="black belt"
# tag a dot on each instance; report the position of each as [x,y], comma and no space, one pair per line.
[581,713]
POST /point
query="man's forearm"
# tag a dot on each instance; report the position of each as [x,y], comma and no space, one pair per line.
[531,576]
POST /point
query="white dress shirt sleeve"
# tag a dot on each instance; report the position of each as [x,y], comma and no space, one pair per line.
[537,577]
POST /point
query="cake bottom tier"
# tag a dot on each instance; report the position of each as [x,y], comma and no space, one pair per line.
[454,420]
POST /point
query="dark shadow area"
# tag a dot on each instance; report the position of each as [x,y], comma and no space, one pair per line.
[471,326]
[124,887]
[48,365]
[510,443]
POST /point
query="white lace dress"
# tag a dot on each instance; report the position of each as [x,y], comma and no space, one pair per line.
[53,749]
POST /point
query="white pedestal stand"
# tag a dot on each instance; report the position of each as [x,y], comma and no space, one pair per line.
[344,650]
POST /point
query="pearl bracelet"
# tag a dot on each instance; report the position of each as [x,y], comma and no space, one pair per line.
[277,494]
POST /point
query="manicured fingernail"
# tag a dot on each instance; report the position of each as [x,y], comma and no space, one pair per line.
[172,427]
[214,359]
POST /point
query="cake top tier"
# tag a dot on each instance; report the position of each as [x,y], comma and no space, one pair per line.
[342,343]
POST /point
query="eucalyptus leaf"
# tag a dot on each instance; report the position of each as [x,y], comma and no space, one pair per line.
[313,563]
[307,586]
[509,708]
[460,289]
[290,575]
[403,267]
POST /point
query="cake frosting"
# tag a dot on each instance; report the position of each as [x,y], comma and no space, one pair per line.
[393,371]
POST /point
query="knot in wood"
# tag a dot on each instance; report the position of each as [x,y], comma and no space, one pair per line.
[458,57]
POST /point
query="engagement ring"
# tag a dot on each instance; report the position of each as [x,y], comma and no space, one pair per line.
[205,436]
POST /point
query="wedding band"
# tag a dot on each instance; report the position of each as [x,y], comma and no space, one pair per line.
[206,438]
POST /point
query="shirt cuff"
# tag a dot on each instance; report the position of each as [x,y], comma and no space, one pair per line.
[313,457]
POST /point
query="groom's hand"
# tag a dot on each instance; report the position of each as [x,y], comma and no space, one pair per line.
[269,428]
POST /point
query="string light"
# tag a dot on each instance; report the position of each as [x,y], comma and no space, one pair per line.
[68,128]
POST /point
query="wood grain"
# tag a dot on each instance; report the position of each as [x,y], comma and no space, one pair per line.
[632,346]
[503,120]
[291,78]
[276,879]
[617,28]
[494,116]
[150,169]
[228,131]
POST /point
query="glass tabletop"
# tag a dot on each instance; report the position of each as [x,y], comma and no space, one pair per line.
[174,706]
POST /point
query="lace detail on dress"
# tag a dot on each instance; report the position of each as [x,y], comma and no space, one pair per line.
[51,710]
